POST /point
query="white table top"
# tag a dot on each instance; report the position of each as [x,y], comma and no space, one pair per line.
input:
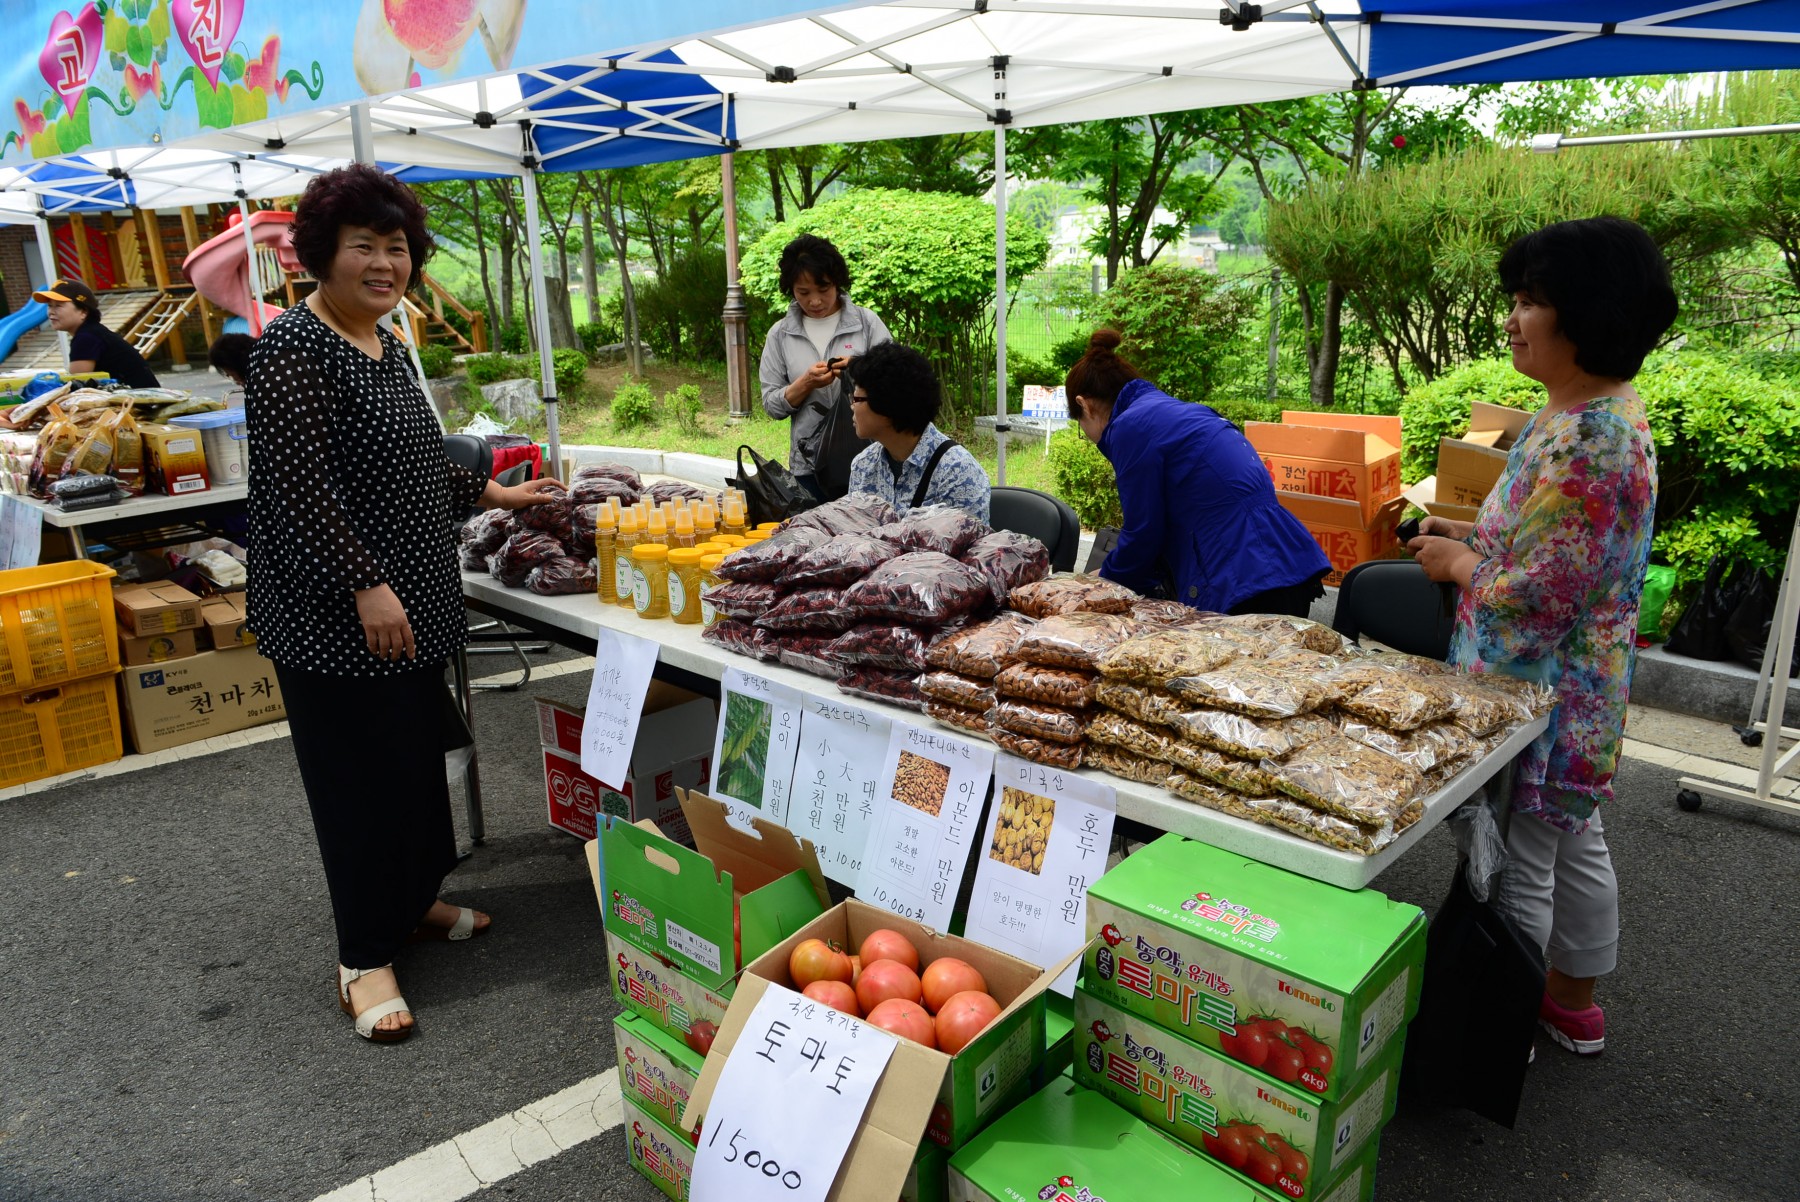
[681,647]
[149,503]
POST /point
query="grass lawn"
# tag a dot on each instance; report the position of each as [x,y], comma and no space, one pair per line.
[588,421]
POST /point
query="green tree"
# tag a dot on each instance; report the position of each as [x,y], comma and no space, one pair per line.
[1750,186]
[1179,323]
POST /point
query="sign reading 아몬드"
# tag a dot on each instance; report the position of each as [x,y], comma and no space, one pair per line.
[927,819]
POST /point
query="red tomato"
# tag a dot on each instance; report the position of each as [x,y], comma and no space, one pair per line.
[816,960]
[700,1036]
[835,994]
[886,979]
[1253,1046]
[1319,1056]
[887,944]
[1273,1027]
[962,1018]
[855,969]
[943,979]
[1294,1164]
[1235,1146]
[1229,1045]
[1213,1147]
[1285,1061]
[1262,1166]
[906,1019]
[1252,1133]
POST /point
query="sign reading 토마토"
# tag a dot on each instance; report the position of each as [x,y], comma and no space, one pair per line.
[1047,838]
[823,1066]
[753,754]
[836,779]
[927,818]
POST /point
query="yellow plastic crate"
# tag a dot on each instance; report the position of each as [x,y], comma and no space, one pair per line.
[57,624]
[59,729]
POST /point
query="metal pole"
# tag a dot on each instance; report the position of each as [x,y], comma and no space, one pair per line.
[1002,116]
[362,134]
[737,313]
[47,256]
[252,277]
[1274,327]
[540,298]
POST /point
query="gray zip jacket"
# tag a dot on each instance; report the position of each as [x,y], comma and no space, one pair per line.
[788,354]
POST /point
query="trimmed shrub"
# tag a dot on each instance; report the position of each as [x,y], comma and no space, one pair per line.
[1084,478]
[570,368]
[633,405]
[492,368]
[1180,323]
[437,359]
[686,405]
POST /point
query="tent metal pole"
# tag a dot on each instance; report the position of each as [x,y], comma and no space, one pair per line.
[47,256]
[1000,426]
[362,134]
[737,313]
[252,276]
[541,300]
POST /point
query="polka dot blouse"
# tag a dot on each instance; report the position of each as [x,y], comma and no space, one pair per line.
[349,488]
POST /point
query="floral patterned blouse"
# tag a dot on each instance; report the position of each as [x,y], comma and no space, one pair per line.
[1564,538]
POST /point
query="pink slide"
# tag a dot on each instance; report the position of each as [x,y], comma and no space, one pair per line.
[219,268]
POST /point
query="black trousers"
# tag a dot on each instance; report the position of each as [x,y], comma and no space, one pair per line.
[1293,599]
[371,753]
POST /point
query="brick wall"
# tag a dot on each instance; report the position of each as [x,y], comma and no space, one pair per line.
[12,264]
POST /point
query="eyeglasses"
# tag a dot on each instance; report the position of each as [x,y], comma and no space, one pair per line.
[857,398]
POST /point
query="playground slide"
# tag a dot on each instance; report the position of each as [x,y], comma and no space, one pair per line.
[219,268]
[14,325]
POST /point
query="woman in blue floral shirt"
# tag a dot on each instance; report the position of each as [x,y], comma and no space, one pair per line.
[1551,573]
[894,396]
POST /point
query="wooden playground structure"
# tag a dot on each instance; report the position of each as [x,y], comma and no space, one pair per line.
[133,260]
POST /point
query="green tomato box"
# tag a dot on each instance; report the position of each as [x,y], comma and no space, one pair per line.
[1069,1144]
[1059,1038]
[671,934]
[1280,1137]
[1304,983]
[926,1182]
[656,1070]
[663,1156]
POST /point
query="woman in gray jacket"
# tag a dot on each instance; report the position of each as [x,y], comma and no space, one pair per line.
[806,350]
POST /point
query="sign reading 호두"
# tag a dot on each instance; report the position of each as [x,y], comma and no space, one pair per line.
[1046,840]
[928,816]
[753,754]
[823,1067]
[836,782]
[622,667]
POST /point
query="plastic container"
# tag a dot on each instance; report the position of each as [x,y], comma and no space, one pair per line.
[684,585]
[225,439]
[656,528]
[768,527]
[56,624]
[706,521]
[650,580]
[683,533]
[756,536]
[627,543]
[732,521]
[709,579]
[58,729]
[606,555]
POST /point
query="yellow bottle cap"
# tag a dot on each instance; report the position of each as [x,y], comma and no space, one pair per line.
[628,521]
[715,546]
[709,562]
[685,555]
[649,551]
[604,519]
[771,527]
[756,536]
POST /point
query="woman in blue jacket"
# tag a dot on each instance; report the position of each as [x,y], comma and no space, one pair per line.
[1202,524]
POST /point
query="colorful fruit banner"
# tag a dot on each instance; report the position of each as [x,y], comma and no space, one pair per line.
[115,73]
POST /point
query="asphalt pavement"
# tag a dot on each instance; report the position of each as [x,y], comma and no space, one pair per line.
[170,1033]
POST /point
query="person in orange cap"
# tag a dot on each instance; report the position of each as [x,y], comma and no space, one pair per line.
[75,311]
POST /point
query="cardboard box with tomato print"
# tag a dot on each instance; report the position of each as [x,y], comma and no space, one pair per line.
[656,1070]
[1283,1138]
[676,916]
[1066,1144]
[662,1155]
[1306,984]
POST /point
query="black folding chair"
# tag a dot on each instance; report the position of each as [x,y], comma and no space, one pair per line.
[1393,602]
[1040,515]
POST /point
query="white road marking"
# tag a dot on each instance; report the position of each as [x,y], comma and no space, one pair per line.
[492,1152]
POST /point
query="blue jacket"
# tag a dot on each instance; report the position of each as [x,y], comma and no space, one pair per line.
[1199,502]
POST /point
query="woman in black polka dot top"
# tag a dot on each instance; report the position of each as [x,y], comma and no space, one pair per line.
[354,588]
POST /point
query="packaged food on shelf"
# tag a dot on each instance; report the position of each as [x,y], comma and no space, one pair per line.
[677,490]
[1155,657]
[1253,688]
[1139,702]
[1424,748]
[843,559]
[984,649]
[1346,778]
[562,576]
[608,471]
[1240,776]
[1540,699]
[1008,560]
[807,652]
[963,718]
[1058,755]
[1127,765]
[1396,699]
[1072,594]
[950,688]
[555,518]
[1247,737]
[1288,630]
[941,528]
[1047,722]
[1140,738]
[897,688]
[744,600]
[1161,612]
[743,638]
[1074,640]
[919,586]
[856,513]
[1050,686]
[769,559]
[520,553]
[819,610]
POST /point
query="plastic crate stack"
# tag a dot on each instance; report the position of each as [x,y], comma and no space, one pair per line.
[59,655]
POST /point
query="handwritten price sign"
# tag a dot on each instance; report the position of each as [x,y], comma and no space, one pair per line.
[932,788]
[622,667]
[824,1066]
[753,755]
[836,782]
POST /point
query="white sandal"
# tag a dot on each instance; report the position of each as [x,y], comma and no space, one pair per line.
[365,1022]
[463,928]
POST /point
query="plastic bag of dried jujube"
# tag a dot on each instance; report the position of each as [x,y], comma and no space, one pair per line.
[772,557]
[742,638]
[807,653]
[744,600]
[487,530]
[886,645]
[941,528]
[519,554]
[899,688]
[819,610]
[1008,560]
[843,560]
[920,586]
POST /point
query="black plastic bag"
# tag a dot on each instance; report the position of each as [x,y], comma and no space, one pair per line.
[1700,631]
[1747,629]
[772,493]
[836,445]
[1471,1042]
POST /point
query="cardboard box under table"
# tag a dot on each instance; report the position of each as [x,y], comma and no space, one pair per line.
[1202,941]
[212,693]
[158,648]
[1346,537]
[1344,456]
[156,607]
[668,908]
[227,622]
[673,751]
[924,1095]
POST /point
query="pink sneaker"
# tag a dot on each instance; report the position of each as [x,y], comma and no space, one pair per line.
[1581,1031]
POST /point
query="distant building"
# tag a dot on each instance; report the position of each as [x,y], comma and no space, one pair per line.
[1075,224]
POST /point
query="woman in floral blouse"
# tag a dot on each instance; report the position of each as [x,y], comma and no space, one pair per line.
[1551,573]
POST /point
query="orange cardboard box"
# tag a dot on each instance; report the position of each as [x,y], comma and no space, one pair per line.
[1342,533]
[1343,456]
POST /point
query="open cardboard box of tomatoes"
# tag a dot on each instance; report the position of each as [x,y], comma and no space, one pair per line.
[924,1092]
[680,921]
